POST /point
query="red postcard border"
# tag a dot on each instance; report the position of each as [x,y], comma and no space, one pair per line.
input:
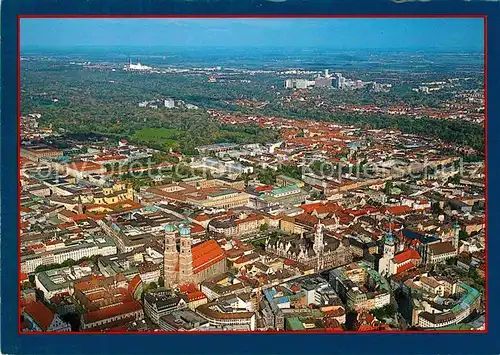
[290,16]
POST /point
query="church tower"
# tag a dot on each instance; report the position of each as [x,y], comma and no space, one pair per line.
[384,266]
[130,192]
[456,236]
[170,256]
[80,205]
[319,245]
[389,246]
[185,257]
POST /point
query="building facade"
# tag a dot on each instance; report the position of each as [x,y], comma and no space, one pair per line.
[319,251]
[190,264]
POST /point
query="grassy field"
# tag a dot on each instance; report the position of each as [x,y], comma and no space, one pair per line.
[169,137]
[157,136]
[228,136]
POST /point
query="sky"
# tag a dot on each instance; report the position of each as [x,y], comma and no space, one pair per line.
[405,33]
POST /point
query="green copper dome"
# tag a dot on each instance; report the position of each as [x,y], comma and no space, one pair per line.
[389,239]
[185,231]
[169,228]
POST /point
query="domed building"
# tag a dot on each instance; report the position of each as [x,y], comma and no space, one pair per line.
[186,263]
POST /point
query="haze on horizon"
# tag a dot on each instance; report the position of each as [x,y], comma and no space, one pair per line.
[443,34]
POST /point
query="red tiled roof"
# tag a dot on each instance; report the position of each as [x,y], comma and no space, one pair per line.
[393,226]
[334,312]
[201,217]
[58,298]
[23,277]
[320,207]
[54,242]
[371,209]
[206,254]
[25,161]
[79,217]
[442,248]
[405,267]
[36,246]
[264,188]
[234,253]
[67,213]
[366,328]
[309,208]
[409,254]
[196,228]
[65,225]
[85,166]
[40,313]
[398,210]
[195,296]
[356,212]
[245,246]
[366,318]
[307,219]
[241,260]
[112,311]
[134,283]
[187,288]
[343,217]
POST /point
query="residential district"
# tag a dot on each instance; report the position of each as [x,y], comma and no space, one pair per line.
[354,229]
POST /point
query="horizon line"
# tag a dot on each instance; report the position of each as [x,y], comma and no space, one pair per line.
[307,48]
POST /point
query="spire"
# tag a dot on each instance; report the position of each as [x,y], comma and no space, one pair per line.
[456,235]
[80,205]
[318,245]
[185,231]
[170,256]
[389,238]
[319,227]
[185,257]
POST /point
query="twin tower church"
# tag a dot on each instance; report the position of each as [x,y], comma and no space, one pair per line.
[185,263]
[190,263]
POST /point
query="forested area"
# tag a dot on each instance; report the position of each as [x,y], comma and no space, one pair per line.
[459,132]
[89,101]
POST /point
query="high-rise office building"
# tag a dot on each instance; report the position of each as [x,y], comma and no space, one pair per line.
[338,81]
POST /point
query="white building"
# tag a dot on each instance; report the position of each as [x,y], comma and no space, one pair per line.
[217,317]
[97,246]
[137,66]
[384,267]
[53,282]
[169,103]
